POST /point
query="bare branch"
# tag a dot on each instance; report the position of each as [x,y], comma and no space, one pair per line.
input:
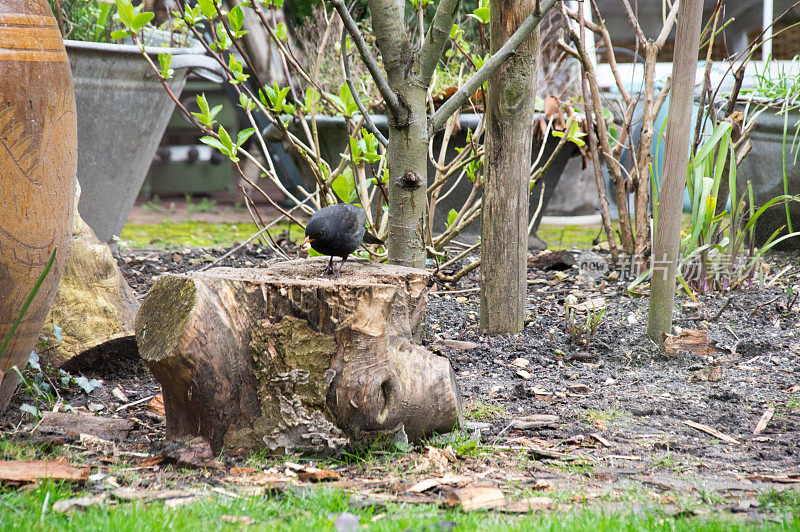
[493,63]
[392,102]
[634,22]
[436,38]
[669,23]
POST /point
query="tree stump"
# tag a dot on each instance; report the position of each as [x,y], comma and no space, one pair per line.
[285,359]
[94,306]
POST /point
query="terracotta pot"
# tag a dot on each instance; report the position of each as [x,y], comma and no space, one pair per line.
[38,163]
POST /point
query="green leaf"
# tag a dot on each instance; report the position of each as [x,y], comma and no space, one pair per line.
[344,186]
[225,138]
[451,217]
[246,103]
[350,107]
[481,14]
[125,13]
[236,18]
[244,135]
[281,32]
[214,143]
[141,20]
[165,60]
[119,34]
[207,6]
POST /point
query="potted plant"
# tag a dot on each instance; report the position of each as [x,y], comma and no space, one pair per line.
[122,107]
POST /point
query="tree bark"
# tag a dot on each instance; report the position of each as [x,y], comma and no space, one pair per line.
[408,136]
[666,247]
[504,226]
[282,359]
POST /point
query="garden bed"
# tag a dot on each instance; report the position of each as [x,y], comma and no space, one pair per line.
[612,423]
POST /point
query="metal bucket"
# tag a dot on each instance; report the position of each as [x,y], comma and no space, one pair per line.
[122,112]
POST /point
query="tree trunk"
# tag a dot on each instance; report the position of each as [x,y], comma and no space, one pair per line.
[666,252]
[407,154]
[504,226]
[283,359]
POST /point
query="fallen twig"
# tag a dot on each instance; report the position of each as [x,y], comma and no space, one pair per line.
[712,431]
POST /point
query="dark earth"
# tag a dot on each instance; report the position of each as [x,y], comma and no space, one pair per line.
[618,406]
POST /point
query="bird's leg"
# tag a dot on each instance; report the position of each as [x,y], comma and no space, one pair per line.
[329,269]
[339,271]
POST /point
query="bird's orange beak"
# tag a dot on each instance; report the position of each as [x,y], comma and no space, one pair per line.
[306,245]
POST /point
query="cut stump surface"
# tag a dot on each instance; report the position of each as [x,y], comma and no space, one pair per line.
[284,358]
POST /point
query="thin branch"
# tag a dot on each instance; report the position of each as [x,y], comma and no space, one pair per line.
[437,37]
[493,63]
[368,123]
[669,23]
[635,23]
[392,101]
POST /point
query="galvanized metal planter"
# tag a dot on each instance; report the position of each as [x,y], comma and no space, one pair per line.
[122,113]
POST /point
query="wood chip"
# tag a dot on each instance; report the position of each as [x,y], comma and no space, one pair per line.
[709,430]
[780,479]
[134,403]
[105,428]
[604,442]
[521,362]
[423,485]
[119,394]
[710,373]
[524,374]
[156,405]
[529,504]
[78,503]
[31,471]
[794,389]
[475,498]
[312,474]
[189,452]
[459,345]
[241,519]
[534,421]
[693,341]
[632,458]
[765,418]
[578,388]
[595,304]
[130,494]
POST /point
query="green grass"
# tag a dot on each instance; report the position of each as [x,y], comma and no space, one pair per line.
[172,235]
[590,416]
[477,410]
[568,236]
[316,509]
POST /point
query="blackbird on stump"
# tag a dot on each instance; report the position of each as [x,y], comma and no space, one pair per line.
[337,230]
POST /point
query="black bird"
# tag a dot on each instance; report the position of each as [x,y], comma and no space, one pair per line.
[337,230]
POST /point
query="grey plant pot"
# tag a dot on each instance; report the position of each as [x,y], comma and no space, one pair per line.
[122,113]
[333,142]
[763,166]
